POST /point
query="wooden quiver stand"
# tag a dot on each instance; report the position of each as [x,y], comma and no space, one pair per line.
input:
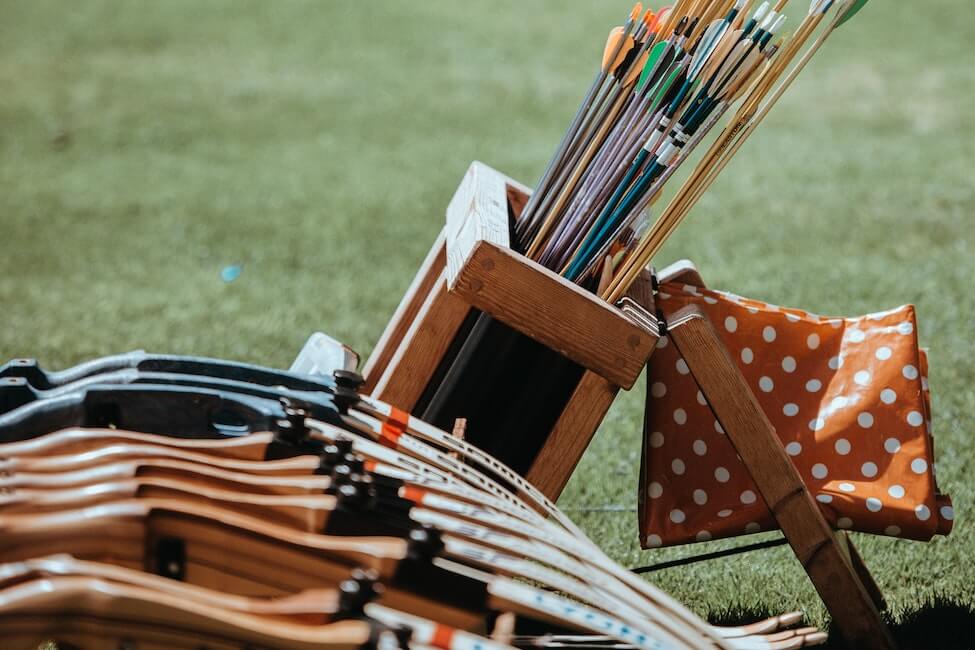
[566,335]
[472,268]
[829,558]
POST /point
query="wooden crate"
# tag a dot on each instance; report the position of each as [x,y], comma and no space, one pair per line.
[472,266]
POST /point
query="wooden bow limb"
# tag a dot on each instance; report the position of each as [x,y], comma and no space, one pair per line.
[310,513]
[299,618]
[525,490]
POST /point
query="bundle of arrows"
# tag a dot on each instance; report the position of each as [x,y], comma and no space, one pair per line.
[157,501]
[667,80]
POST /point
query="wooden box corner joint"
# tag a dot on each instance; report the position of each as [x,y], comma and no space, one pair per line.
[489,275]
[472,266]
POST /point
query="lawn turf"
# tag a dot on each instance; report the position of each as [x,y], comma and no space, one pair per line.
[144,146]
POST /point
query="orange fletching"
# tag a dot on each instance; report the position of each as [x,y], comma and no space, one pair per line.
[654,22]
[637,10]
[612,44]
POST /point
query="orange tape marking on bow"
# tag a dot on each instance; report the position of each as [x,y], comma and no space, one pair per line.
[412,493]
[394,427]
[442,637]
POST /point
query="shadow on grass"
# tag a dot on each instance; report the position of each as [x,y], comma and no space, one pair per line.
[938,625]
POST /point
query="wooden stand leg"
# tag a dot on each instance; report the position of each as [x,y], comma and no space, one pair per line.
[571,435]
[821,552]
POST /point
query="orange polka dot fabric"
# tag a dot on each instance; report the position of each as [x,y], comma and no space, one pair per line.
[848,398]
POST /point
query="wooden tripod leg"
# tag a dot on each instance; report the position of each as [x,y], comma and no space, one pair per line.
[854,613]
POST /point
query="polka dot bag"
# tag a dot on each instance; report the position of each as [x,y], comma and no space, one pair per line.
[848,397]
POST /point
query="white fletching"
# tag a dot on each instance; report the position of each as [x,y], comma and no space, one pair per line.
[708,42]
[769,19]
[762,9]
[777,25]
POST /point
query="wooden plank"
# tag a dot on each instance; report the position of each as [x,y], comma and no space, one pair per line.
[424,344]
[477,212]
[540,304]
[571,434]
[469,215]
[682,271]
[406,312]
[854,613]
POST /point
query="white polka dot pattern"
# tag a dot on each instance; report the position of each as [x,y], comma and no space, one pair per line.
[848,397]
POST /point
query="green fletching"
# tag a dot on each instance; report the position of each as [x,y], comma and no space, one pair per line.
[652,59]
[852,11]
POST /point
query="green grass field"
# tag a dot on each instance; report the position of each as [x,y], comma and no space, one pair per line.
[144,146]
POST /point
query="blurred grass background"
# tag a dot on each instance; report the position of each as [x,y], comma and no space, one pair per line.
[144,146]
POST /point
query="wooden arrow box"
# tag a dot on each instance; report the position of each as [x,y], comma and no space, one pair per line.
[532,361]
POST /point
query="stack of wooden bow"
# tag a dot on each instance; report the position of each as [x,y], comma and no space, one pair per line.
[154,501]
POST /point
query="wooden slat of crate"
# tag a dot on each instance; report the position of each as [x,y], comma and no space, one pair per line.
[422,347]
[409,306]
[484,271]
[554,312]
[571,434]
